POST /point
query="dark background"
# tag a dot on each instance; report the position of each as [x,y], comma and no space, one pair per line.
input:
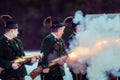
[31,13]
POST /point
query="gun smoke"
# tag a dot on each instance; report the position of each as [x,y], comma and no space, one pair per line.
[98,46]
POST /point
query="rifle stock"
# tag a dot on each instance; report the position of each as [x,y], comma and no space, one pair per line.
[24,59]
[34,73]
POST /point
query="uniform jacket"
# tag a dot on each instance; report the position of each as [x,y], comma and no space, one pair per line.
[10,50]
[52,49]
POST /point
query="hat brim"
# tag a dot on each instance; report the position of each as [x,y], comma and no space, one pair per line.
[58,25]
[13,26]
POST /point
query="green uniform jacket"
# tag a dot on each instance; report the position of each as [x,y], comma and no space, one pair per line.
[52,49]
[10,50]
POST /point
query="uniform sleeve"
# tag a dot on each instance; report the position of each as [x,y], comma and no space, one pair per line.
[46,48]
[4,63]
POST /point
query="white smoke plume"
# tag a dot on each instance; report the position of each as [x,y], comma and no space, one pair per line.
[98,45]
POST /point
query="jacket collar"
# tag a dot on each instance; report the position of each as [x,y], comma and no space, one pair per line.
[54,35]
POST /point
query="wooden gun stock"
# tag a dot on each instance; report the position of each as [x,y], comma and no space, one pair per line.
[39,69]
[36,72]
[25,59]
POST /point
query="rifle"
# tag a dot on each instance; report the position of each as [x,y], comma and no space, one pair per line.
[34,73]
[24,59]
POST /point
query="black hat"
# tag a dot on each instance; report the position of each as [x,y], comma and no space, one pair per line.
[69,22]
[47,21]
[12,24]
[57,24]
[4,18]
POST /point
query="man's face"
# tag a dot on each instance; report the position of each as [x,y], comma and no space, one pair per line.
[61,31]
[14,32]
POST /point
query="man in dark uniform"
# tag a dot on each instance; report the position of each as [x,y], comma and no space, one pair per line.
[53,47]
[69,22]
[11,48]
[76,76]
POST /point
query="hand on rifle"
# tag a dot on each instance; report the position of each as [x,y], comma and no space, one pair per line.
[33,60]
[61,61]
[15,65]
[46,70]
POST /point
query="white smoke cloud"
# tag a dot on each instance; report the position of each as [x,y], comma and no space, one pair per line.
[99,45]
